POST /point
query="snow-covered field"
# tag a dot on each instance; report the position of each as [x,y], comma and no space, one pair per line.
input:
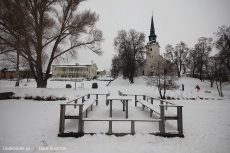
[35,124]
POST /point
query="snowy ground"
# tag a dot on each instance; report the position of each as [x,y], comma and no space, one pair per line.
[35,124]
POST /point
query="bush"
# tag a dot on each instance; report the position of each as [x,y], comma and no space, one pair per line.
[68,86]
[94,86]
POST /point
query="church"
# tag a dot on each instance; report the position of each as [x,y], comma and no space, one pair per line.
[154,62]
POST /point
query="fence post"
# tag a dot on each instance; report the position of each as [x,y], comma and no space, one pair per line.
[179,120]
[62,119]
[161,102]
[110,113]
[132,127]
[96,99]
[80,121]
[135,100]
[162,124]
[127,108]
[151,100]
[144,97]
[75,102]
[88,96]
[83,99]
[123,102]
[110,127]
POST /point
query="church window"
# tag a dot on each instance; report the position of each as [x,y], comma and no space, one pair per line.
[150,49]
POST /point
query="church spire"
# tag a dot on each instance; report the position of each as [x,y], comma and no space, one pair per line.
[152,36]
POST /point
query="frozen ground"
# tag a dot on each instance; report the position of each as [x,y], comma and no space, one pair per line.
[34,124]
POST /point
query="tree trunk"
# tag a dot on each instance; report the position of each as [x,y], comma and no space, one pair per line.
[211,83]
[178,71]
[17,71]
[41,83]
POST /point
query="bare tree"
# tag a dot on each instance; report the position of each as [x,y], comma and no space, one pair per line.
[192,61]
[220,73]
[177,56]
[45,30]
[203,49]
[164,77]
[223,45]
[115,67]
[131,50]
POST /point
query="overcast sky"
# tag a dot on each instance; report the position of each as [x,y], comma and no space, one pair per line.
[174,21]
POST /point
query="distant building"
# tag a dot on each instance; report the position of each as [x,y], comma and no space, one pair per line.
[79,70]
[153,56]
[101,73]
[12,74]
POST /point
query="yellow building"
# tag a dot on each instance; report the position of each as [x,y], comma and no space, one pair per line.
[80,70]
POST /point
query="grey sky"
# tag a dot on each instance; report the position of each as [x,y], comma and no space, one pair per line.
[174,21]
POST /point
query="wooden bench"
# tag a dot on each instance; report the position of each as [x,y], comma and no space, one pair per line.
[73,113]
[156,109]
[6,95]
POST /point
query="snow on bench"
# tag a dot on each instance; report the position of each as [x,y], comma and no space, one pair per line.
[73,113]
[156,109]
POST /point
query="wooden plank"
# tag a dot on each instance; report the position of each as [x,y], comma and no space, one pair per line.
[62,119]
[110,115]
[171,117]
[110,127]
[180,120]
[119,98]
[96,99]
[135,100]
[132,127]
[71,117]
[127,110]
[80,122]
[136,120]
[171,105]
[162,123]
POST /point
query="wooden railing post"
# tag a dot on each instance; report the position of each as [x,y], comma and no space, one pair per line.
[88,96]
[80,121]
[161,102]
[111,103]
[83,99]
[162,123]
[123,102]
[151,100]
[96,99]
[126,108]
[62,119]
[144,97]
[75,102]
[135,100]
[179,120]
[132,127]
[110,127]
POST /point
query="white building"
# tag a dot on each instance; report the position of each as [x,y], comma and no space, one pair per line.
[153,55]
[80,70]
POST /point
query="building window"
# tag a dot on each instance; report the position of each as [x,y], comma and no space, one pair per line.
[150,49]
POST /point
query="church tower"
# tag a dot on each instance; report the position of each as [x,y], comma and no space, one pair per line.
[152,36]
[152,50]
